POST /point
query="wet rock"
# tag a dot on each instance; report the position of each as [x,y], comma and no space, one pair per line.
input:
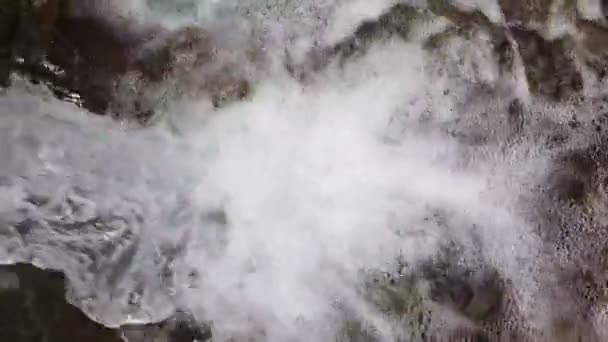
[26,31]
[185,64]
[355,331]
[526,11]
[179,328]
[579,173]
[469,20]
[475,293]
[9,20]
[549,65]
[397,21]
[162,57]
[51,42]
[34,34]
[396,295]
[91,66]
[593,46]
[467,23]
[472,299]
[516,115]
[33,308]
[573,227]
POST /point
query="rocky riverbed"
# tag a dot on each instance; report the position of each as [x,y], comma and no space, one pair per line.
[488,189]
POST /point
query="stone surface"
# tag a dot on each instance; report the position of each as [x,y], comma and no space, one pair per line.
[33,308]
[549,65]
[51,43]
[9,21]
[526,11]
[91,68]
[593,46]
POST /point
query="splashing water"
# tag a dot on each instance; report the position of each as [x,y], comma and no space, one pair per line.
[263,217]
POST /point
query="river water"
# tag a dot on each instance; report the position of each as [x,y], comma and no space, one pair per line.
[264,216]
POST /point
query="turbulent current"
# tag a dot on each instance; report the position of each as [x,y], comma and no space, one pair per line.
[271,218]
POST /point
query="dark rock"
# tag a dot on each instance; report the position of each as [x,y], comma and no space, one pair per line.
[578,173]
[549,65]
[468,20]
[397,21]
[10,14]
[505,53]
[92,66]
[184,330]
[516,115]
[36,310]
[171,57]
[52,42]
[525,11]
[571,208]
[394,22]
[475,293]
[36,23]
[26,31]
[593,46]
[33,308]
[179,328]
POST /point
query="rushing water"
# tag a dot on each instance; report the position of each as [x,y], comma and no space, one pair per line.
[263,217]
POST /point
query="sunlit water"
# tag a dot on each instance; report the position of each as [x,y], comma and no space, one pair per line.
[263,217]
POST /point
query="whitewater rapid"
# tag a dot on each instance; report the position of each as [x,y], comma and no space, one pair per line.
[265,216]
